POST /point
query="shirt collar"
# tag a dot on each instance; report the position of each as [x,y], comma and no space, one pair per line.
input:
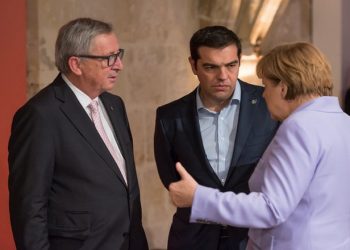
[83,98]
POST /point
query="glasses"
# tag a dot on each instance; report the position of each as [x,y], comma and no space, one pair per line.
[111,59]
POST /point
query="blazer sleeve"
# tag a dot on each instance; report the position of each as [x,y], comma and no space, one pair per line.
[163,151]
[31,165]
[279,183]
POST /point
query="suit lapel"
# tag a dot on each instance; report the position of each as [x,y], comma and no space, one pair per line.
[191,124]
[117,119]
[249,102]
[81,121]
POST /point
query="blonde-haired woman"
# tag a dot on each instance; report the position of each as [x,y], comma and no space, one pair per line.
[299,190]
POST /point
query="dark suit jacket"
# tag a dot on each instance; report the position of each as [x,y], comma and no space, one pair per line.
[178,138]
[66,191]
[347,102]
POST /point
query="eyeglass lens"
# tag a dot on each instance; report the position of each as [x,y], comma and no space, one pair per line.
[113,58]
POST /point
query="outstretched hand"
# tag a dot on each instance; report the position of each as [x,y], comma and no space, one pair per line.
[182,191]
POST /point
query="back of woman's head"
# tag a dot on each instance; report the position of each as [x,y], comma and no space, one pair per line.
[301,66]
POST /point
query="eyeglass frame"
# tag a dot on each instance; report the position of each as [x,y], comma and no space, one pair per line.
[110,60]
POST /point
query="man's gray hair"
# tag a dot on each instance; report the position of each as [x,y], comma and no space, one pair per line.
[74,38]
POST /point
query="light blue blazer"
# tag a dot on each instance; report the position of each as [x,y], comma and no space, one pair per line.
[299,191]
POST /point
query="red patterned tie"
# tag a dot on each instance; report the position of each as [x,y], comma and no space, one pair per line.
[115,152]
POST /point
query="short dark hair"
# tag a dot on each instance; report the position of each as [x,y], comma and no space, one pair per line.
[213,37]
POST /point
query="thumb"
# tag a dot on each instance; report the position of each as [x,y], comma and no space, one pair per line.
[182,171]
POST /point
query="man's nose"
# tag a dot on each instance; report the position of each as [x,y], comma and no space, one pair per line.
[118,64]
[222,73]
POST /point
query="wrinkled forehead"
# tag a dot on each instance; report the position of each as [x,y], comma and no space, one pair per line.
[104,42]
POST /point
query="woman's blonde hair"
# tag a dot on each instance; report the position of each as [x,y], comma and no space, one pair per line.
[301,66]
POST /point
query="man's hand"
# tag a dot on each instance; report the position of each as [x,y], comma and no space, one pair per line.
[182,192]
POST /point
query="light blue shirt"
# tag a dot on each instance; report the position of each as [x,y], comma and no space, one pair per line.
[218,131]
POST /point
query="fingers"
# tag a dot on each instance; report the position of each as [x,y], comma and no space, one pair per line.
[183,173]
[171,187]
[182,191]
[181,170]
[173,192]
[178,194]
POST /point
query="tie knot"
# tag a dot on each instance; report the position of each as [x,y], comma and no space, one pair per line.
[93,106]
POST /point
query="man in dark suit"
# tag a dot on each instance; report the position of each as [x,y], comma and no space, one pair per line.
[219,131]
[72,177]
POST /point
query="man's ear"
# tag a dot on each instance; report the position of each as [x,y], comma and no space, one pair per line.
[74,65]
[193,65]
